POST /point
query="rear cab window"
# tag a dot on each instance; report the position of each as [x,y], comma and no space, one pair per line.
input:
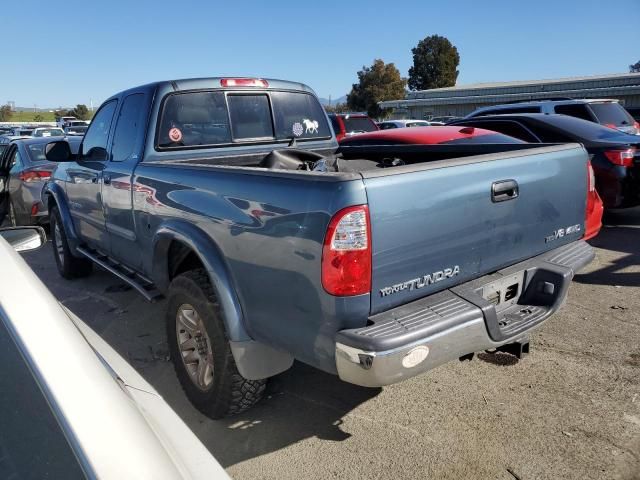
[611,113]
[216,118]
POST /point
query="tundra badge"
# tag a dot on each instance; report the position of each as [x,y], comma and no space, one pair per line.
[421,282]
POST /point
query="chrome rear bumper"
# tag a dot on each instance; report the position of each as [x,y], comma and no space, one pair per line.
[417,337]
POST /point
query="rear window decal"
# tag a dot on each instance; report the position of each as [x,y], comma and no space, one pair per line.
[175,135]
[311,126]
[297,129]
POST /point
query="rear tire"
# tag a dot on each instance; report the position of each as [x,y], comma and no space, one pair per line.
[200,349]
[69,267]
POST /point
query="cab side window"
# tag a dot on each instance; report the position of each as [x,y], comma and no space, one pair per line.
[129,128]
[94,144]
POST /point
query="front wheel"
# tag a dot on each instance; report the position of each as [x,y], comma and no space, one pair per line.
[200,349]
[69,266]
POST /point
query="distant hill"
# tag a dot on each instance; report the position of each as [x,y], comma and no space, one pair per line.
[334,101]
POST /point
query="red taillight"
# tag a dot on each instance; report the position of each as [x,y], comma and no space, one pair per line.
[623,158]
[593,214]
[346,255]
[611,125]
[34,175]
[636,125]
[244,82]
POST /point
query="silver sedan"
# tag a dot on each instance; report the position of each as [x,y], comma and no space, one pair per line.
[29,170]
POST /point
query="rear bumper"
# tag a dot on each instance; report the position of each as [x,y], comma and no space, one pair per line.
[417,337]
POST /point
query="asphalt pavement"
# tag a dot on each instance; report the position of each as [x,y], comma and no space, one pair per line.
[570,409]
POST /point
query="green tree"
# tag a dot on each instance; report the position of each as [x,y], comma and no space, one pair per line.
[376,83]
[635,68]
[435,64]
[81,112]
[38,118]
[5,113]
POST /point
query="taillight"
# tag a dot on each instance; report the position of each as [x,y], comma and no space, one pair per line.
[346,255]
[34,175]
[623,158]
[244,82]
[611,125]
[636,125]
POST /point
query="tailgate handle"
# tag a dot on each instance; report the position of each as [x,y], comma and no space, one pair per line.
[504,190]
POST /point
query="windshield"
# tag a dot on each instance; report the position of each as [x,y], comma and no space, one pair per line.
[36,152]
[358,124]
[48,132]
[611,113]
[25,133]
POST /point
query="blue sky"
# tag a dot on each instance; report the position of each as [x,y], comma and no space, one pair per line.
[64,53]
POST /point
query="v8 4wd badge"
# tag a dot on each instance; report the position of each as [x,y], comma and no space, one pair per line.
[561,232]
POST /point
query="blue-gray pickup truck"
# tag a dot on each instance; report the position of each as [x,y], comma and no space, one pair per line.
[231,198]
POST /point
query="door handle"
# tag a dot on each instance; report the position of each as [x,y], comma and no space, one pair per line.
[504,190]
[106,179]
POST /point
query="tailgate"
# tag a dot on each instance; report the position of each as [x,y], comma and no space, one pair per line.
[436,225]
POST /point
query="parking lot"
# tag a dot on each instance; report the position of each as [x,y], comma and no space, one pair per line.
[571,409]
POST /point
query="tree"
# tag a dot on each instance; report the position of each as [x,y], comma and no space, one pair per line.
[81,112]
[38,118]
[435,64]
[376,83]
[5,113]
[635,68]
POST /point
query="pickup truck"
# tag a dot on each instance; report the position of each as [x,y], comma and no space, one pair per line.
[230,197]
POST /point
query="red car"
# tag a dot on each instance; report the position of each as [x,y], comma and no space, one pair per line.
[347,124]
[472,135]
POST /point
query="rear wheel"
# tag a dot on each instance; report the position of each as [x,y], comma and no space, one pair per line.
[200,349]
[68,266]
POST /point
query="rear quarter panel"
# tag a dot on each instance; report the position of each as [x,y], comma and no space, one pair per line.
[269,229]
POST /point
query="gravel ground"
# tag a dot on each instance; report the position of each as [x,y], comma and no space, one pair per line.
[570,409]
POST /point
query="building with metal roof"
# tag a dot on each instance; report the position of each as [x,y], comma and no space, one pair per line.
[464,99]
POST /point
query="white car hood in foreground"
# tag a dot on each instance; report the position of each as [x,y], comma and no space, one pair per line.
[118,429]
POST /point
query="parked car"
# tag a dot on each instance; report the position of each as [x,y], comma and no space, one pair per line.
[347,124]
[47,132]
[443,119]
[453,135]
[77,130]
[28,172]
[71,406]
[376,264]
[615,156]
[62,122]
[607,112]
[22,132]
[389,124]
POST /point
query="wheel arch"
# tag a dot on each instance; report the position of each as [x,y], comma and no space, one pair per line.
[179,246]
[53,196]
[175,246]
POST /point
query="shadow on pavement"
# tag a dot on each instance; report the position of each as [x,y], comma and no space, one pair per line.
[299,404]
[621,239]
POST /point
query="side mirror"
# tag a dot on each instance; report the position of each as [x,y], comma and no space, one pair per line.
[58,151]
[24,239]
